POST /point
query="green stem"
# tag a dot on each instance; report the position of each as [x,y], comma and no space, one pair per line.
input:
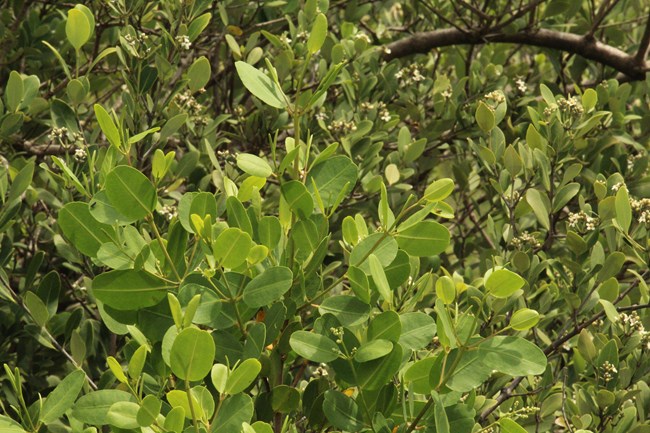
[195,421]
[163,247]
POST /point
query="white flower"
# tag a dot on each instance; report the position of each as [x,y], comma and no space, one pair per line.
[521,85]
[184,42]
[80,154]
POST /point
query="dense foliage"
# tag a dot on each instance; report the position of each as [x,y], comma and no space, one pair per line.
[310,216]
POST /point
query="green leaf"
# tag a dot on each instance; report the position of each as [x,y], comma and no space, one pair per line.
[269,231]
[36,308]
[116,369]
[149,410]
[507,425]
[612,266]
[243,376]
[513,161]
[231,248]
[446,289]
[261,85]
[234,411]
[524,319]
[386,325]
[124,414]
[331,177]
[342,411]
[418,330]
[77,28]
[359,283]
[485,117]
[623,209]
[318,34]
[130,289]
[254,165]
[8,425]
[314,347]
[372,350]
[440,415]
[219,376]
[383,246]
[502,283]
[540,206]
[589,100]
[268,287]
[130,192]
[379,278]
[63,397]
[14,91]
[172,125]
[512,355]
[178,398]
[198,25]
[298,198]
[56,53]
[175,420]
[108,126]
[347,309]
[439,190]
[82,229]
[192,354]
[199,74]
[93,408]
[564,195]
[418,374]
[423,239]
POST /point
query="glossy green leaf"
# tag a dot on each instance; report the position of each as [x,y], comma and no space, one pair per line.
[426,238]
[192,354]
[386,325]
[524,319]
[512,355]
[623,209]
[314,347]
[234,411]
[93,408]
[347,309]
[130,192]
[82,229]
[507,425]
[342,411]
[268,287]
[149,410]
[383,246]
[231,248]
[502,283]
[485,117]
[379,278]
[261,85]
[334,176]
[243,376]
[130,289]
[8,425]
[446,289]
[254,165]
[199,74]
[540,206]
[439,190]
[14,91]
[373,350]
[62,398]
[418,330]
[77,28]
[298,198]
[175,420]
[318,34]
[108,126]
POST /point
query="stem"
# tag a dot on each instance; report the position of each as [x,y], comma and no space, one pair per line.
[191,404]
[163,247]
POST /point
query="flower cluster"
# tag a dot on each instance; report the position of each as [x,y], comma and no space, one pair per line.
[496,96]
[409,75]
[548,111]
[525,239]
[617,186]
[632,159]
[59,134]
[342,126]
[582,222]
[338,333]
[184,42]
[137,41]
[608,371]
[521,85]
[187,101]
[168,211]
[362,36]
[642,207]
[633,322]
[570,106]
[80,154]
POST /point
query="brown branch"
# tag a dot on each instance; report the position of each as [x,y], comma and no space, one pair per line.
[569,42]
[642,52]
[506,392]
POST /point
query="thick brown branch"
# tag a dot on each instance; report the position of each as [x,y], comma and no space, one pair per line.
[642,52]
[569,42]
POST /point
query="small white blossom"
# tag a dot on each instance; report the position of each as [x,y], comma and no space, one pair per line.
[184,42]
[521,85]
[80,154]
